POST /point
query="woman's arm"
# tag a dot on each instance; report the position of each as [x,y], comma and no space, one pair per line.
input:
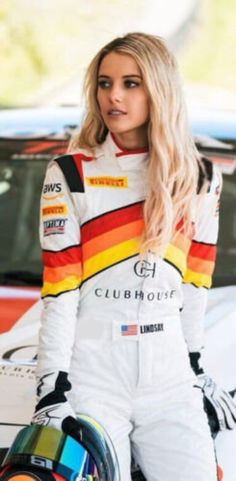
[61,254]
[219,405]
[201,262]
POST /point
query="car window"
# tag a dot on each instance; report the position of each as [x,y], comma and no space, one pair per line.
[225,273]
[20,188]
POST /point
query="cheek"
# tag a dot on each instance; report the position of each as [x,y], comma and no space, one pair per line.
[147,111]
[100,99]
[147,107]
[144,108]
[141,105]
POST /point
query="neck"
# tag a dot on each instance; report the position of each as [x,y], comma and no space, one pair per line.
[129,141]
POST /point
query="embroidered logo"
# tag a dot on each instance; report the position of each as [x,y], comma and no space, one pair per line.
[101,181]
[145,269]
[54,210]
[54,226]
[52,191]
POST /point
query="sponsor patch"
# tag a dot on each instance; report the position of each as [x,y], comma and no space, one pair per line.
[54,188]
[52,191]
[54,226]
[60,209]
[135,329]
[129,329]
[102,181]
[139,295]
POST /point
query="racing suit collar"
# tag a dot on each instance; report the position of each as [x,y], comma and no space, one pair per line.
[126,159]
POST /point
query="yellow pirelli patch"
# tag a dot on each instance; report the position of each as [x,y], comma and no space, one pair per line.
[102,181]
[60,209]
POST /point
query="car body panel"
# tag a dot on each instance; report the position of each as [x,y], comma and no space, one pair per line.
[14,302]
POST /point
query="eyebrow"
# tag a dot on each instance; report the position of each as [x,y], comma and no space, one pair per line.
[124,76]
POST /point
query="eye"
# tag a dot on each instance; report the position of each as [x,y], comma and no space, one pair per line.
[104,84]
[131,83]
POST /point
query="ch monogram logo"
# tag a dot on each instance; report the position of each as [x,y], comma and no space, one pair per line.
[145,269]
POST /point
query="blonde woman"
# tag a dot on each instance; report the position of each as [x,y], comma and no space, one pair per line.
[128,249]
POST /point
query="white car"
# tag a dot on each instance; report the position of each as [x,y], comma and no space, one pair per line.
[28,140]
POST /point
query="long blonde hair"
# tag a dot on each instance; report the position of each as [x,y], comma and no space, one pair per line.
[172,172]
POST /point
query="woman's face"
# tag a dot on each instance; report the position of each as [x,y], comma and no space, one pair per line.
[123,100]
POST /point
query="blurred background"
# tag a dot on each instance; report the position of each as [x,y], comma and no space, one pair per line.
[45,45]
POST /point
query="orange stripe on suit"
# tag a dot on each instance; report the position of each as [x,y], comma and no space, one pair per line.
[57,274]
[109,239]
[201,266]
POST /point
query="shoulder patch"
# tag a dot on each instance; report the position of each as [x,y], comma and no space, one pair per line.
[71,166]
[205,173]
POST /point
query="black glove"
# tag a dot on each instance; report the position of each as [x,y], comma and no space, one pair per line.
[219,405]
[53,408]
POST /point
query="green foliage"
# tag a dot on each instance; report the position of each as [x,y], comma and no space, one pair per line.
[38,45]
[43,43]
[22,63]
[210,56]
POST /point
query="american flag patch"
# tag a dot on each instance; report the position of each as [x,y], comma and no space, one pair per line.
[129,330]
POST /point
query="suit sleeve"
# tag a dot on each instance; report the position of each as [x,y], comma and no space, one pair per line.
[62,273]
[201,262]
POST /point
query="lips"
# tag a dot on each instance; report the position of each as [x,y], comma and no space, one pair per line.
[116,112]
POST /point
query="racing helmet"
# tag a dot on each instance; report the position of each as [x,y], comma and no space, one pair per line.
[83,451]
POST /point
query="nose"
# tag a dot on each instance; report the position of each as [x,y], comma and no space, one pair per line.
[115,93]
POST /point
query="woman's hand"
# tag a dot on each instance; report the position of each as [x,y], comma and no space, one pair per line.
[52,407]
[53,415]
[219,404]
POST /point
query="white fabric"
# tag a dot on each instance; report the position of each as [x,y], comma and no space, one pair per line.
[138,386]
[166,424]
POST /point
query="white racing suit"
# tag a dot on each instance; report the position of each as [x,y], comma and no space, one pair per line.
[115,322]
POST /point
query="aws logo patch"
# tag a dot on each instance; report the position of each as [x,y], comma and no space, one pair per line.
[52,191]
